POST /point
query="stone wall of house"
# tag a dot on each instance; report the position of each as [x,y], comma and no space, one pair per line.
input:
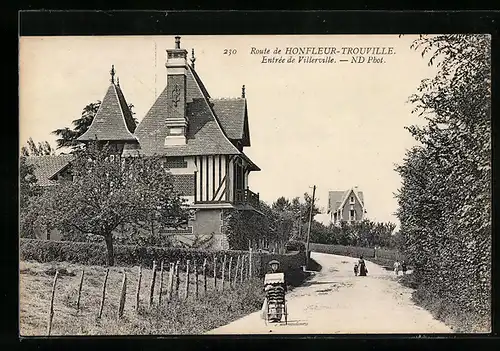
[210,221]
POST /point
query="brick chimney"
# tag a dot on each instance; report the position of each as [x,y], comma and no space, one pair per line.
[176,119]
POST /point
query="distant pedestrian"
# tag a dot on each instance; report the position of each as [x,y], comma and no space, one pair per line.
[362,267]
[403,267]
[356,269]
[396,267]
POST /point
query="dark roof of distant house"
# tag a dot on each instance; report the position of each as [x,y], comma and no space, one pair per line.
[113,121]
[232,113]
[205,135]
[336,198]
[46,167]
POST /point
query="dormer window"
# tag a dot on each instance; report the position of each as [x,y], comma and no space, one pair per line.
[352,199]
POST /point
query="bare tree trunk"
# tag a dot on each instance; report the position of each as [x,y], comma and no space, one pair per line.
[109,245]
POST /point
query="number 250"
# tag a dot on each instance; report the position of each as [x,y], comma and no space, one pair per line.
[230,52]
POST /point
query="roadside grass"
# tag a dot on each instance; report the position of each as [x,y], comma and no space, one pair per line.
[457,318]
[191,316]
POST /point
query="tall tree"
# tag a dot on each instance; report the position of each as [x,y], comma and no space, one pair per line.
[281,204]
[445,198]
[107,192]
[40,149]
[67,136]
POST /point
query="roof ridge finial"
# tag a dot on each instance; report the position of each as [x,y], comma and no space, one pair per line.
[243,91]
[193,58]
[112,72]
[177,42]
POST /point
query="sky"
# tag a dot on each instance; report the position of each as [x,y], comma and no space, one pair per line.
[333,125]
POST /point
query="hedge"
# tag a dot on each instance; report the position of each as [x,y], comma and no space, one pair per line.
[382,257]
[128,255]
[293,245]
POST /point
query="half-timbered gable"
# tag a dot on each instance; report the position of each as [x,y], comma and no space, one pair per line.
[206,135]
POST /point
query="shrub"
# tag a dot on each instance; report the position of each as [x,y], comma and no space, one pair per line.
[128,255]
[351,251]
[294,245]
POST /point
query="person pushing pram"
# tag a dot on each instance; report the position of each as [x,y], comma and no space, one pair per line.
[274,306]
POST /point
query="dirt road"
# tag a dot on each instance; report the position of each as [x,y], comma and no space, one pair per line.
[334,301]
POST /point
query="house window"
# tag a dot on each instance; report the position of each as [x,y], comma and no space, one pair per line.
[352,215]
[352,199]
[176,162]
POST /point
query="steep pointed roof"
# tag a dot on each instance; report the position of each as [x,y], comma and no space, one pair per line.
[113,121]
[233,115]
[337,199]
[205,135]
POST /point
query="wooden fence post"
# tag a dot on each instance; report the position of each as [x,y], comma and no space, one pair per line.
[215,271]
[103,293]
[79,291]
[51,310]
[250,264]
[161,284]
[204,276]
[242,274]
[177,277]
[138,290]
[123,295]
[187,280]
[170,286]
[229,272]
[236,271]
[153,279]
[196,292]
[247,268]
[223,273]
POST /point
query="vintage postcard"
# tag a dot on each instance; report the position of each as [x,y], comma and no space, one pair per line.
[255,184]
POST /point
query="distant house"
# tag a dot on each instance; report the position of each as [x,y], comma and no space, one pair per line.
[49,170]
[201,138]
[346,205]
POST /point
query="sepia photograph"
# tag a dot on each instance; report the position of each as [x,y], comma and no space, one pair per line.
[254,184]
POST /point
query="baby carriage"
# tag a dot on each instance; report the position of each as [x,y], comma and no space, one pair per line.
[274,308]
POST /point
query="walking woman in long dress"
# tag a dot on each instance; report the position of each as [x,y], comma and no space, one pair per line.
[362,267]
